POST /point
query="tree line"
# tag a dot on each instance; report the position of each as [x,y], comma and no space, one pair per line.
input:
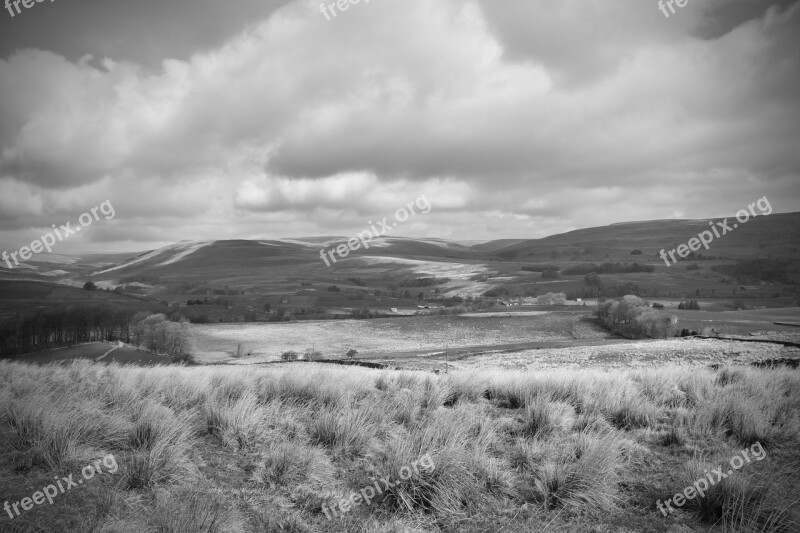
[50,328]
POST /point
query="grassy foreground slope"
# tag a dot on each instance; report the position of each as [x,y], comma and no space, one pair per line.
[242,449]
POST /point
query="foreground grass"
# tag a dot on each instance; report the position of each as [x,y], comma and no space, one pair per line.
[216,449]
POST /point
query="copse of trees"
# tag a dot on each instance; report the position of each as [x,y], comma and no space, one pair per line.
[633,318]
[552,298]
[158,334]
[91,323]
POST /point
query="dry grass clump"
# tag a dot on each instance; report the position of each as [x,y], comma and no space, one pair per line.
[286,464]
[57,430]
[580,472]
[658,390]
[194,511]
[543,416]
[161,449]
[346,431]
[742,501]
[466,386]
[757,406]
[458,443]
[237,420]
[622,404]
[673,436]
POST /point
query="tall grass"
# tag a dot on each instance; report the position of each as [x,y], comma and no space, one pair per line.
[243,448]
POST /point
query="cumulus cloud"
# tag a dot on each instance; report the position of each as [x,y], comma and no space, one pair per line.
[512,117]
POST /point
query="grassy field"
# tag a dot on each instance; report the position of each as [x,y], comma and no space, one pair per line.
[401,338]
[225,449]
[385,337]
[105,351]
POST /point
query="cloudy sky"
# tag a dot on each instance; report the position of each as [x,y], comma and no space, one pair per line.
[201,119]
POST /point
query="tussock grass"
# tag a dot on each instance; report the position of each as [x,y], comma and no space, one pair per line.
[161,451]
[53,431]
[345,431]
[622,404]
[580,472]
[193,511]
[238,422]
[543,416]
[286,464]
[262,449]
[672,436]
[752,409]
[741,501]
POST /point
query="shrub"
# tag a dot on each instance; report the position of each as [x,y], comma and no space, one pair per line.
[290,356]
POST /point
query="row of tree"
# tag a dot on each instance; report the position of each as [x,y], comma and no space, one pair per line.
[607,268]
[91,323]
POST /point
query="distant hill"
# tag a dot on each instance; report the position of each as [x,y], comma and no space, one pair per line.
[777,235]
[281,265]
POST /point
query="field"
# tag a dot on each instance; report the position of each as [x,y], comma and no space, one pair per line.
[285,448]
[99,351]
[526,339]
[398,337]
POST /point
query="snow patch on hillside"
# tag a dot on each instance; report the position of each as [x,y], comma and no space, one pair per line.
[189,249]
[180,250]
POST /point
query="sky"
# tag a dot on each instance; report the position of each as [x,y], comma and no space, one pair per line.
[250,119]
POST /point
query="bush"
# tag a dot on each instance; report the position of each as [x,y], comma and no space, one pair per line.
[633,318]
[290,356]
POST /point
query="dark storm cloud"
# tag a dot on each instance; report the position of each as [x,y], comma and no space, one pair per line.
[142,31]
[721,17]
